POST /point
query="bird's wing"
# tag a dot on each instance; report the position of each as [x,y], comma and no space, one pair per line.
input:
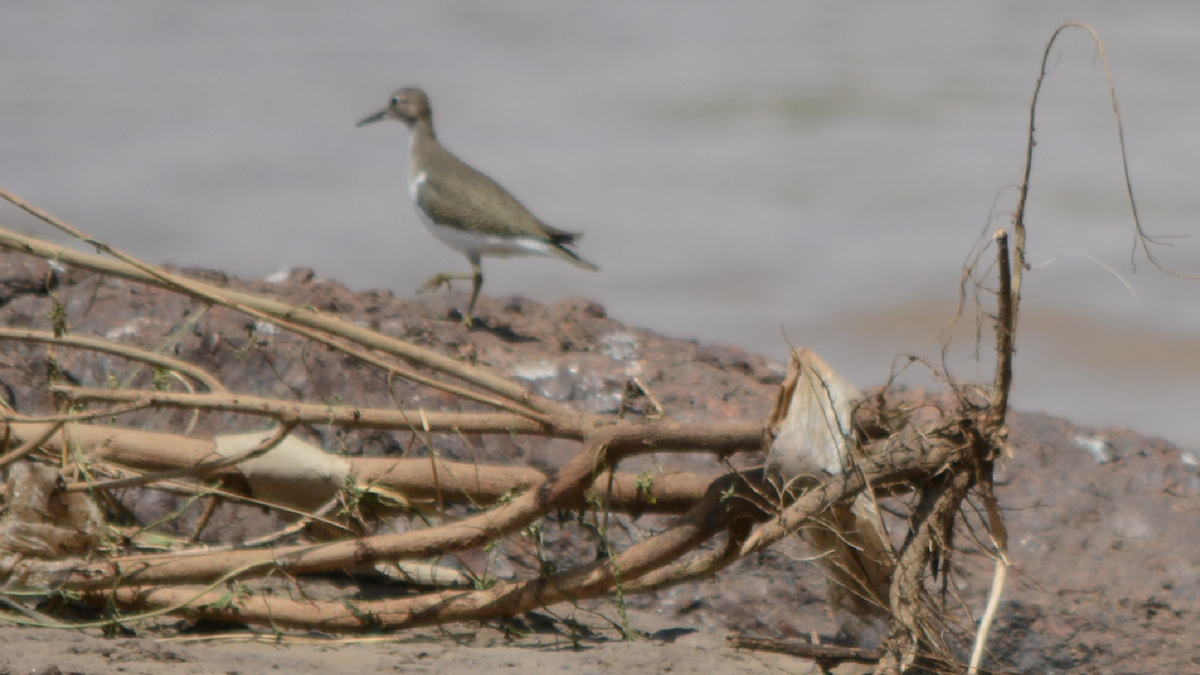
[456,195]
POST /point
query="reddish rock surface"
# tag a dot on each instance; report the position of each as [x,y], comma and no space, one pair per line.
[1104,527]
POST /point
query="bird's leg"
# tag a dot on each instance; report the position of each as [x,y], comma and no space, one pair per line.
[478,269]
[439,280]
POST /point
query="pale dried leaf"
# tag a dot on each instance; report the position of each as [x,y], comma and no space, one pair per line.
[813,419]
[293,473]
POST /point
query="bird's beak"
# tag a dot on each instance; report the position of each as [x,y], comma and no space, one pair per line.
[382,114]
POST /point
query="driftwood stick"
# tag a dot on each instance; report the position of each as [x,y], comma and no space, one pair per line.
[649,435]
[134,448]
[6,416]
[910,629]
[827,654]
[194,471]
[702,566]
[316,413]
[1006,330]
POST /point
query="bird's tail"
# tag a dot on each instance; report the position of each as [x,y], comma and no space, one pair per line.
[561,251]
[560,240]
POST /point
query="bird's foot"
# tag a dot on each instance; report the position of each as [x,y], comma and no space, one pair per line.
[456,314]
[439,280]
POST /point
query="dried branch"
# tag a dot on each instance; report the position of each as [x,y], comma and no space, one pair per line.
[460,482]
[1006,330]
[706,565]
[826,655]
[317,413]
[195,471]
[911,629]
[6,416]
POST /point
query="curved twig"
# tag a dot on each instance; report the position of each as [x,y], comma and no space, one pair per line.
[1019,218]
[30,445]
[124,351]
[75,417]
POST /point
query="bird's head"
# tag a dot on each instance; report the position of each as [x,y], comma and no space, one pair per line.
[407,105]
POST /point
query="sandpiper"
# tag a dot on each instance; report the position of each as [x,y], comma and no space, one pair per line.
[465,209]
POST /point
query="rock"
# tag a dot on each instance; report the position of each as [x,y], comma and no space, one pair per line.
[1107,555]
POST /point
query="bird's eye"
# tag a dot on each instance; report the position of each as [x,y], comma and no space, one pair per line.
[395,100]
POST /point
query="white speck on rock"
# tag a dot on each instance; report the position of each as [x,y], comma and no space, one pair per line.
[131,328]
[619,346]
[542,370]
[264,328]
[278,276]
[1098,447]
[1132,526]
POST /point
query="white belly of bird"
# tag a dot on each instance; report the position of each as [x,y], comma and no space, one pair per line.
[472,244]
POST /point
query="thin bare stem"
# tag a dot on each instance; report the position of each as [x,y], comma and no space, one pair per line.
[106,347]
[1141,237]
[822,653]
[1006,327]
[989,614]
[75,417]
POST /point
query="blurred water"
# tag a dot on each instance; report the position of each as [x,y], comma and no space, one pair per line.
[742,170]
